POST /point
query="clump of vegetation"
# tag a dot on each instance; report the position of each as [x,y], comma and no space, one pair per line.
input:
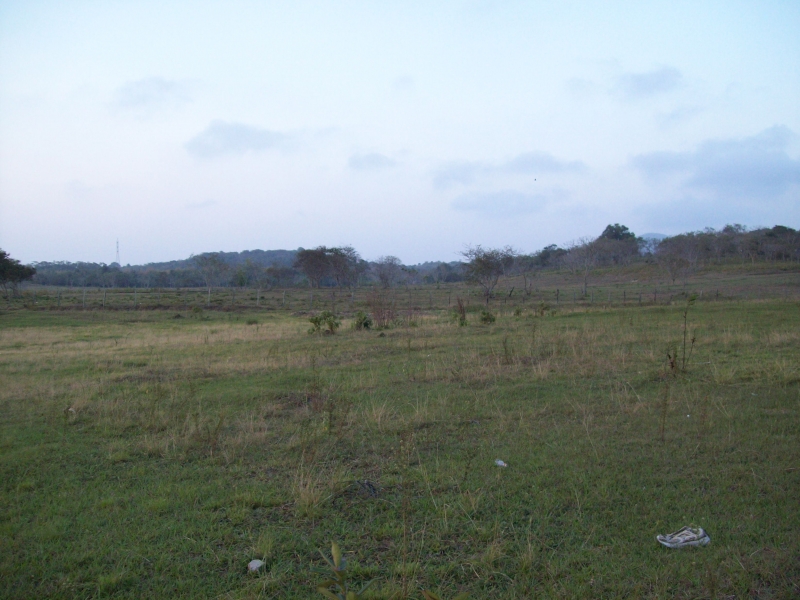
[487,318]
[361,321]
[382,307]
[338,586]
[460,313]
[325,322]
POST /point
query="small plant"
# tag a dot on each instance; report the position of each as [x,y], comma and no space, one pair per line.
[487,318]
[689,303]
[460,313]
[362,321]
[325,321]
[383,308]
[337,585]
[252,321]
[543,308]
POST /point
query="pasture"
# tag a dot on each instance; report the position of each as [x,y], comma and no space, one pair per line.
[154,453]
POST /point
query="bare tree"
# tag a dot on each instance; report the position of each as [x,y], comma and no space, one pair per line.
[388,270]
[485,266]
[212,269]
[581,258]
[526,266]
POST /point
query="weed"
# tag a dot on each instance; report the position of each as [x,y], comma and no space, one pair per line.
[325,319]
[338,586]
[362,320]
[460,312]
[689,303]
[487,318]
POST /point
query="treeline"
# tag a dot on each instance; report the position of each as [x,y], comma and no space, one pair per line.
[679,256]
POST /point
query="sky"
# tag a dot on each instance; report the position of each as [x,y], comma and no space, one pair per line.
[412,129]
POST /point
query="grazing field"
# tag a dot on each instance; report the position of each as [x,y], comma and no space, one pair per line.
[154,453]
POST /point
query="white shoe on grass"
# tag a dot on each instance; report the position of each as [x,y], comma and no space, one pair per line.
[686,536]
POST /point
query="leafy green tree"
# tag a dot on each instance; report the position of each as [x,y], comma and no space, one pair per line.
[13,273]
[617,232]
[485,266]
[314,264]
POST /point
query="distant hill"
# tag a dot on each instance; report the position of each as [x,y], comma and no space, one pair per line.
[262,258]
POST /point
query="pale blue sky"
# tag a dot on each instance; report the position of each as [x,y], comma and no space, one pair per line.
[409,129]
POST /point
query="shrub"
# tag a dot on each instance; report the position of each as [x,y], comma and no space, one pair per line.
[325,319]
[487,318]
[460,313]
[362,321]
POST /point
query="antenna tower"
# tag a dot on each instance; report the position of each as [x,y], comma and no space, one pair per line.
[118,253]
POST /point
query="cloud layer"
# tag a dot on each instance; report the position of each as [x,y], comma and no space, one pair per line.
[221,138]
[150,93]
[370,162]
[752,168]
[633,86]
[529,163]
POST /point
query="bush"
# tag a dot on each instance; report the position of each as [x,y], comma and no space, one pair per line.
[460,313]
[325,319]
[487,318]
[362,321]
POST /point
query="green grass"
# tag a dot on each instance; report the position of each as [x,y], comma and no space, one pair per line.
[147,456]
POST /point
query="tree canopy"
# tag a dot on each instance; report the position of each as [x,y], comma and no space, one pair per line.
[12,272]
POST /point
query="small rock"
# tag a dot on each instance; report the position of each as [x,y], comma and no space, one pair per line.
[255,565]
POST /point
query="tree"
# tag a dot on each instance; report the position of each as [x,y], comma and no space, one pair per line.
[581,257]
[313,264]
[212,269]
[13,273]
[387,269]
[344,263]
[526,265]
[485,266]
[617,232]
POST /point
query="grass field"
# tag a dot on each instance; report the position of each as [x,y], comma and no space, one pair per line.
[144,454]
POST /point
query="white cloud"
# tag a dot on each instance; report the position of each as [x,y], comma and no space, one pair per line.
[633,86]
[221,138]
[150,94]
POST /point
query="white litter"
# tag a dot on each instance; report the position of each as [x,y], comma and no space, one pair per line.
[255,565]
[500,463]
[686,536]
